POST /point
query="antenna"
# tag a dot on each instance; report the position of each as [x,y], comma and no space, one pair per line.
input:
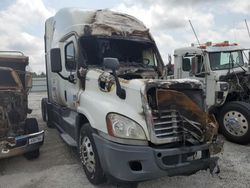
[247,27]
[194,32]
[203,53]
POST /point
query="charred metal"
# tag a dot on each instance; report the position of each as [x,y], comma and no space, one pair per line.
[238,86]
[138,58]
[13,113]
[177,113]
[15,128]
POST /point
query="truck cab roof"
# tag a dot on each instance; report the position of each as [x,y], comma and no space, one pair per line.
[217,47]
[223,48]
[13,57]
[15,60]
[96,23]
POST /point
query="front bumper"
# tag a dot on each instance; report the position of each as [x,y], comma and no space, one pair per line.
[139,163]
[22,145]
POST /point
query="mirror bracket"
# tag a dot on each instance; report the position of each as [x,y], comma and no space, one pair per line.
[71,79]
[113,64]
[63,77]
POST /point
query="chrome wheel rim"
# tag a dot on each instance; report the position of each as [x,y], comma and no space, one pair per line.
[235,123]
[87,154]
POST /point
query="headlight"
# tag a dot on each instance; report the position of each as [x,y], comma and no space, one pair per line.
[224,86]
[123,127]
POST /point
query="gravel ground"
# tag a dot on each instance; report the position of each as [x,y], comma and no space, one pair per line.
[59,166]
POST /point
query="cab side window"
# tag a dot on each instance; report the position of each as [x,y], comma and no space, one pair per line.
[186,64]
[70,57]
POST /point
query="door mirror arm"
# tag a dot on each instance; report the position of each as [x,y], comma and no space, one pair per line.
[113,64]
[63,77]
[70,78]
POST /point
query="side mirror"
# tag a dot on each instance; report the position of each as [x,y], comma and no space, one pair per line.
[194,68]
[55,60]
[111,63]
[198,68]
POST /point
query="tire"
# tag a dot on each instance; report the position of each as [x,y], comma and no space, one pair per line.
[44,110]
[31,126]
[89,156]
[32,154]
[45,115]
[234,121]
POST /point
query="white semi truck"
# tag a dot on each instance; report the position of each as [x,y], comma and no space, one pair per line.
[223,69]
[107,97]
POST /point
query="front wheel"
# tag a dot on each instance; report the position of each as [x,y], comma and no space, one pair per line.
[234,122]
[45,112]
[89,156]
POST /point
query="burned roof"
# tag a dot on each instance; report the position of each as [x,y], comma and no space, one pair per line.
[96,22]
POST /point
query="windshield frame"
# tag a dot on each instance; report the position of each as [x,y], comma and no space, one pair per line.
[236,65]
[158,60]
[15,79]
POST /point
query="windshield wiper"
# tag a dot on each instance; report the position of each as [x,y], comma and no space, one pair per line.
[240,65]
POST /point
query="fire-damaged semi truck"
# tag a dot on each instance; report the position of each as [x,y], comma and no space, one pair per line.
[107,97]
[18,134]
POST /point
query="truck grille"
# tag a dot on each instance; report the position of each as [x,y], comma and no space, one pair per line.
[170,126]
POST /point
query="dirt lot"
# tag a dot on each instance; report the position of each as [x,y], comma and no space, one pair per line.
[59,167]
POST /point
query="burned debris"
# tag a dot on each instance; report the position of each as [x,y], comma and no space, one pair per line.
[18,133]
[177,112]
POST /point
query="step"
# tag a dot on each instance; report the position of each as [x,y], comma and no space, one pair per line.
[69,140]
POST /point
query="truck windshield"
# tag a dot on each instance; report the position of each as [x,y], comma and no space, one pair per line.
[7,80]
[128,52]
[225,60]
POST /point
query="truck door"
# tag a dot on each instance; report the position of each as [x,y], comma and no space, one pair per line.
[193,67]
[70,87]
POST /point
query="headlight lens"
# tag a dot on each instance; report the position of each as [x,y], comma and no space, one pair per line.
[224,86]
[123,127]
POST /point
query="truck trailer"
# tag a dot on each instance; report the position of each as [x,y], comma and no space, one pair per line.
[108,98]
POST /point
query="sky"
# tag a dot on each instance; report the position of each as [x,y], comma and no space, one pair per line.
[22,22]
